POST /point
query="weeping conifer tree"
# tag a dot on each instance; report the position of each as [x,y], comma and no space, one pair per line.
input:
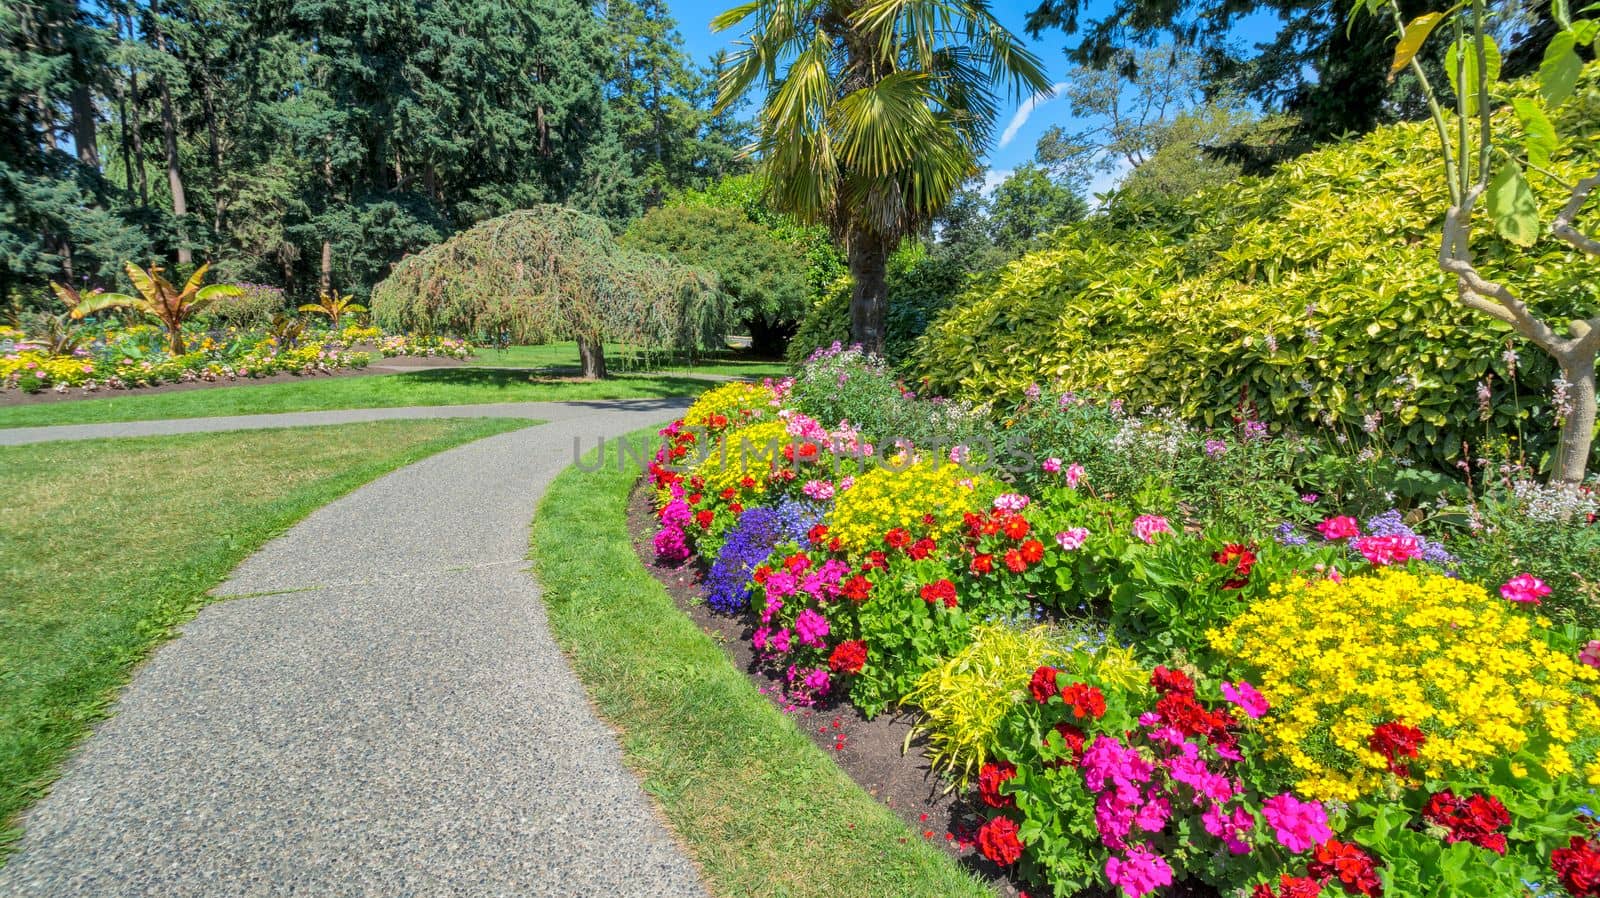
[553,273]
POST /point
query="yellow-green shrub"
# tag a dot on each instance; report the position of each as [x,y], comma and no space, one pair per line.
[901,495]
[964,699]
[1332,258]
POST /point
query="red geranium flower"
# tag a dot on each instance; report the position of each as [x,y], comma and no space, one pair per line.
[998,841]
[940,590]
[857,588]
[761,573]
[1044,685]
[1356,871]
[797,564]
[877,558]
[1290,887]
[1578,868]
[1015,561]
[898,538]
[848,657]
[1477,819]
[989,779]
[693,499]
[1189,717]
[1394,740]
[982,564]
[817,534]
[729,493]
[704,518]
[747,481]
[1075,739]
[1167,680]
[921,549]
[1033,551]
[1016,526]
[1085,701]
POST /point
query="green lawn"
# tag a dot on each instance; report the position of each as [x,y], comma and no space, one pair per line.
[760,807]
[564,357]
[109,543]
[440,386]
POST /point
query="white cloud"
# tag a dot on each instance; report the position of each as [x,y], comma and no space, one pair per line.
[993,178]
[1026,109]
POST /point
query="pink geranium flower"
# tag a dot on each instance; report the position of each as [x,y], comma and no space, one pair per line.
[1341,527]
[1247,698]
[1525,588]
[1140,873]
[1386,550]
[1298,824]
[1072,539]
[1051,465]
[1146,526]
[1073,474]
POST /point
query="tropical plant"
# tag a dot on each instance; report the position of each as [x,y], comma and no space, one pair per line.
[1485,163]
[161,300]
[551,272]
[334,306]
[879,114]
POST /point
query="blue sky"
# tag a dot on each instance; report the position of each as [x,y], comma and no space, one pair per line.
[1021,122]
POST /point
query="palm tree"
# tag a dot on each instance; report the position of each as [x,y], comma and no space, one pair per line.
[875,112]
[333,305]
[159,299]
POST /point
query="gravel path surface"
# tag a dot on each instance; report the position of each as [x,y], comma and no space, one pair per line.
[391,718]
[542,411]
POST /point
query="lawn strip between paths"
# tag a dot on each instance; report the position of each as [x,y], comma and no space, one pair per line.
[762,810]
[112,543]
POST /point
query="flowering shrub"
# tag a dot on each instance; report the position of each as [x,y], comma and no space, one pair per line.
[1385,679]
[427,346]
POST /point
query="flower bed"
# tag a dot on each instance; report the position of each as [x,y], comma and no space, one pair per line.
[1263,694]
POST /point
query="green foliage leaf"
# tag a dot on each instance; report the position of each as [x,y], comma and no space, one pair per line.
[1559,72]
[1512,207]
[1462,59]
[1538,134]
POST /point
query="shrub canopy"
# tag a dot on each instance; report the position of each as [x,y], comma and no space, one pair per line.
[549,273]
[1312,296]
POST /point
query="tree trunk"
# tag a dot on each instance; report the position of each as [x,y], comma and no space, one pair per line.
[133,128]
[1577,431]
[83,126]
[169,133]
[591,351]
[768,336]
[326,280]
[869,300]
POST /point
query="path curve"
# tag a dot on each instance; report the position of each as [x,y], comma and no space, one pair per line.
[380,711]
[542,411]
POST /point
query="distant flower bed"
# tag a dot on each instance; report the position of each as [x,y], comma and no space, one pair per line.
[1263,666]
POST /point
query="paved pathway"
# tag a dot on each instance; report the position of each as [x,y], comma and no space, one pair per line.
[380,712]
[543,411]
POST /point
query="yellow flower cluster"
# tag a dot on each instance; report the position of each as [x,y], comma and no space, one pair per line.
[884,498]
[1472,671]
[752,452]
[740,403]
[26,366]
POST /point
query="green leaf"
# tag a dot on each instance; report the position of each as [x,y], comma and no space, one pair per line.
[1415,35]
[1586,31]
[1558,11]
[1538,134]
[1512,207]
[1559,72]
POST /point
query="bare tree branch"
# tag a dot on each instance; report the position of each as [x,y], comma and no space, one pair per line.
[1563,227]
[1483,295]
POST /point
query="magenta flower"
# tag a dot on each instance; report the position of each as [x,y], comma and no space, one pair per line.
[1341,527]
[1146,526]
[1215,448]
[1073,474]
[1011,502]
[1525,588]
[1140,873]
[1051,465]
[820,490]
[1590,654]
[779,641]
[1073,538]
[1231,827]
[1297,824]
[1382,551]
[781,583]
[811,627]
[1251,702]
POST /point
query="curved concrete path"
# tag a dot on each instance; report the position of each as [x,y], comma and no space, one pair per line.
[380,711]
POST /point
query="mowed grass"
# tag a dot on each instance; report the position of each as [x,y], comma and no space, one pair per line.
[762,810]
[440,386]
[564,357]
[110,543]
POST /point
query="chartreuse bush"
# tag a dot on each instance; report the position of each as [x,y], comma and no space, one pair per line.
[1313,293]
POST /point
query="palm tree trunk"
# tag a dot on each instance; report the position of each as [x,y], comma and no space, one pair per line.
[869,300]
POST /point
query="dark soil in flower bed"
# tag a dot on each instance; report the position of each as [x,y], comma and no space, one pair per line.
[870,751]
[377,366]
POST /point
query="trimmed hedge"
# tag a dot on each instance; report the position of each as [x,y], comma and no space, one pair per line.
[1312,294]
